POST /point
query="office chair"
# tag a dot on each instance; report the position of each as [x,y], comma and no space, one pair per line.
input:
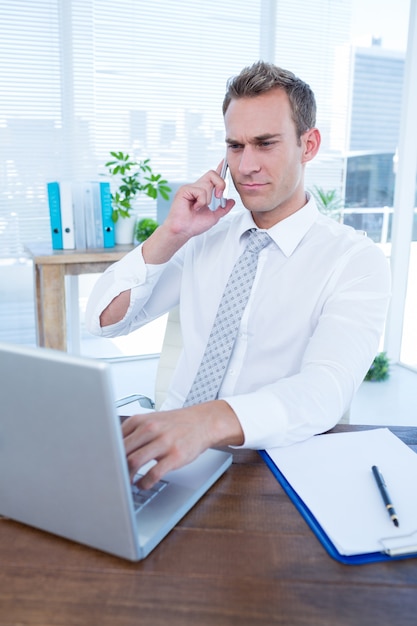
[171,348]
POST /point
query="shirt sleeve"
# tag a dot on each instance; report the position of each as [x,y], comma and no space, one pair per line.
[132,273]
[337,357]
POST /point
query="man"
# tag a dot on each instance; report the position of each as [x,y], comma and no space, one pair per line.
[312,324]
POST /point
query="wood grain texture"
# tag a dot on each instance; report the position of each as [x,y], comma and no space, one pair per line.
[50,269]
[242,556]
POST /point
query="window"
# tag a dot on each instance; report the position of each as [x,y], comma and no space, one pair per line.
[82,77]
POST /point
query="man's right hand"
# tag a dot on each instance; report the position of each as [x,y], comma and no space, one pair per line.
[189,216]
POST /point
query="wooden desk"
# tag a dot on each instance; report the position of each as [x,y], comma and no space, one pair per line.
[51,267]
[242,556]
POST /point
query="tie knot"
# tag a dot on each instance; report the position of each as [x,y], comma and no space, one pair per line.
[257,240]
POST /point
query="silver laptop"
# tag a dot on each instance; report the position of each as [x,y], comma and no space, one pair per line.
[62,463]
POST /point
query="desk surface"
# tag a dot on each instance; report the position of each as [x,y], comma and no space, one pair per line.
[243,556]
[45,255]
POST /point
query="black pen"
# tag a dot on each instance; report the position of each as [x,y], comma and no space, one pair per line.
[384,493]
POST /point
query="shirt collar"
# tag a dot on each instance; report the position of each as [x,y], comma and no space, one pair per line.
[288,233]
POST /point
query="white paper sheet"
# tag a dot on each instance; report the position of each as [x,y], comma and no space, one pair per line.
[332,475]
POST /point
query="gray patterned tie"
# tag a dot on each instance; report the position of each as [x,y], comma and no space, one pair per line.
[223,334]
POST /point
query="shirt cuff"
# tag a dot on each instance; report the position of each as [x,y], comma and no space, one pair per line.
[262,417]
[131,272]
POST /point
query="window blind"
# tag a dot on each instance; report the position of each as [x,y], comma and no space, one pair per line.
[80,78]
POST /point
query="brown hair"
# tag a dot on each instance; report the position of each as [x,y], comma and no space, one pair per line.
[262,77]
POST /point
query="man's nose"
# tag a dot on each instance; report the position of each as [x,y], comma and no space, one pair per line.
[249,161]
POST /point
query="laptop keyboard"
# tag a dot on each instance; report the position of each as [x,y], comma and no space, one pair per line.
[141,497]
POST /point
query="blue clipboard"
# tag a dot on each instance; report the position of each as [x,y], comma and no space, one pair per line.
[357,559]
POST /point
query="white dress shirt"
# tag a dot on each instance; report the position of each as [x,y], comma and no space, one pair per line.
[308,334]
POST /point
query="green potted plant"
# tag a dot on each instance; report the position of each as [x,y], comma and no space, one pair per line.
[135,178]
[328,202]
[144,228]
[379,369]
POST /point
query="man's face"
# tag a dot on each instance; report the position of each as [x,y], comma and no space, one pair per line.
[266,159]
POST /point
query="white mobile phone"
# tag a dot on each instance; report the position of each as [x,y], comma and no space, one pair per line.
[220,202]
[223,174]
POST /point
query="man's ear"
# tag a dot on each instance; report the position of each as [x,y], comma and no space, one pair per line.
[310,141]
